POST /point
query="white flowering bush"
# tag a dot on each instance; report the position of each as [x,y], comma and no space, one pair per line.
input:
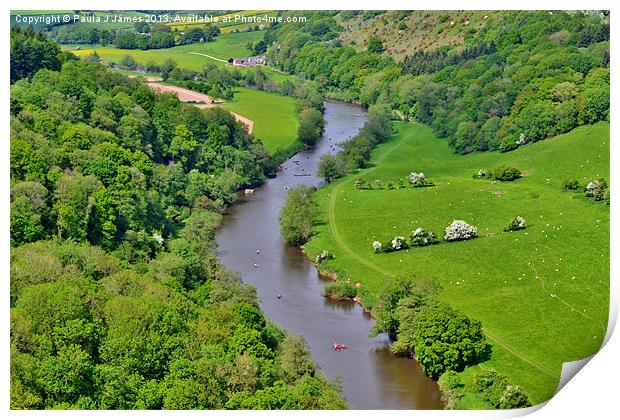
[160,239]
[325,255]
[459,230]
[518,223]
[398,243]
[522,139]
[421,237]
[596,189]
[376,246]
[482,173]
[416,178]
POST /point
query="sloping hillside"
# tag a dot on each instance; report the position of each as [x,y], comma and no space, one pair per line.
[403,32]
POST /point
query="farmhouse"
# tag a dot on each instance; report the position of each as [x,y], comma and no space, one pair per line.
[256,60]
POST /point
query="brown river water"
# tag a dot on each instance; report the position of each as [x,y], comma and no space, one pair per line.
[371,377]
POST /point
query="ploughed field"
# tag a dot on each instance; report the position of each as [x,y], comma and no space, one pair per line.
[540,293]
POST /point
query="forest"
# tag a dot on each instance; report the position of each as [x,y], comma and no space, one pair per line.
[118,298]
[526,76]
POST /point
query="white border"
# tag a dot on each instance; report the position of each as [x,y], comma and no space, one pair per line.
[592,393]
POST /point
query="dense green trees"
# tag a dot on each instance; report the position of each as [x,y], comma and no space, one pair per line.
[30,51]
[116,158]
[523,77]
[297,215]
[118,298]
[438,336]
[97,335]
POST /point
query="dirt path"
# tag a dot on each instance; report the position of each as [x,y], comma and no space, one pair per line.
[331,210]
[208,56]
[199,99]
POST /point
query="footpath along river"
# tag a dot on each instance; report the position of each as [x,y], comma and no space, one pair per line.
[372,378]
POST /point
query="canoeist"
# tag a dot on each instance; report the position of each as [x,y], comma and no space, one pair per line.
[257,251]
[255,265]
[279,296]
[339,346]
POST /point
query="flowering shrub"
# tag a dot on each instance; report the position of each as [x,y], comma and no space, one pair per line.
[596,189]
[376,246]
[360,183]
[421,237]
[398,243]
[157,236]
[416,178]
[459,231]
[482,173]
[325,255]
[517,223]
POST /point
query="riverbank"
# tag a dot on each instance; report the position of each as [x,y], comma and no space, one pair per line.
[371,376]
[523,348]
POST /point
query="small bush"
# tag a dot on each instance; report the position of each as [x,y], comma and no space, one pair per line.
[518,223]
[506,173]
[499,391]
[340,289]
[421,237]
[376,246]
[459,231]
[360,184]
[570,184]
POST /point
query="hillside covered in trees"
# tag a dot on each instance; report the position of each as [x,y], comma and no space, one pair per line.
[118,298]
[520,77]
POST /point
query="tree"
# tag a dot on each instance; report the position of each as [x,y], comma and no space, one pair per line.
[296,359]
[30,51]
[167,66]
[73,205]
[129,62]
[445,339]
[331,167]
[375,45]
[311,125]
[297,215]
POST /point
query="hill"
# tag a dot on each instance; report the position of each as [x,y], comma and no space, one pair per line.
[541,293]
[404,32]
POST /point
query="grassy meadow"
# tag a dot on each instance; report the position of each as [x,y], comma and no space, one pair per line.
[274,115]
[189,56]
[540,293]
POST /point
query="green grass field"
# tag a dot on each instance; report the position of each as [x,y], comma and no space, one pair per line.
[221,49]
[275,117]
[540,293]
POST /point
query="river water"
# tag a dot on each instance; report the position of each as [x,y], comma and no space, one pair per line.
[372,378]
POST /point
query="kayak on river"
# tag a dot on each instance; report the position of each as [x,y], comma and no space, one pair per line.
[339,346]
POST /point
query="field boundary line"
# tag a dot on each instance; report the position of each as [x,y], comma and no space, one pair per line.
[519,355]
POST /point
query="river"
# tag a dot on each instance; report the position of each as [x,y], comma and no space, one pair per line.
[372,378]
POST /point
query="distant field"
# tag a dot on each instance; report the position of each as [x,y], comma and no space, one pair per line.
[274,116]
[223,47]
[222,25]
[541,293]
